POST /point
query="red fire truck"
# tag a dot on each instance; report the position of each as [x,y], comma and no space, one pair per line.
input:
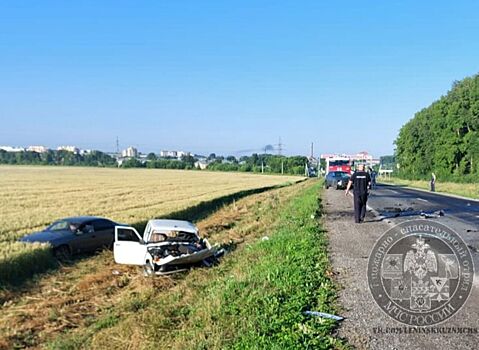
[338,164]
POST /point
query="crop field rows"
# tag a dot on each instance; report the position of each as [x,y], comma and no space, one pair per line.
[33,197]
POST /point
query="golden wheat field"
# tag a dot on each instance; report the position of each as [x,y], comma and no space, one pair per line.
[33,197]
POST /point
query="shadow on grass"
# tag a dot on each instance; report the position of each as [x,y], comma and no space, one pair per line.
[26,268]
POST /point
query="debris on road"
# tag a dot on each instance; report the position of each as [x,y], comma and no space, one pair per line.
[324,315]
[434,215]
[474,249]
[395,212]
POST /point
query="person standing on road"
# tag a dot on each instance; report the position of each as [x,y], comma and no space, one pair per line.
[373,179]
[361,181]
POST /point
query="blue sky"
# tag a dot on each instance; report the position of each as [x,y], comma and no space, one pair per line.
[225,76]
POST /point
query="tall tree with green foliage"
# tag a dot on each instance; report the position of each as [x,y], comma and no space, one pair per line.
[444,137]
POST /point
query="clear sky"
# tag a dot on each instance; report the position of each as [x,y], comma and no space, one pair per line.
[226,76]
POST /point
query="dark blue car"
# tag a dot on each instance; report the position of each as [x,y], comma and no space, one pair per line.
[336,179]
[75,235]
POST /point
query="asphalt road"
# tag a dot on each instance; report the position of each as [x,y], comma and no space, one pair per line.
[366,326]
[398,203]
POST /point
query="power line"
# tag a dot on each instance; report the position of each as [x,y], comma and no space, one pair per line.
[280,146]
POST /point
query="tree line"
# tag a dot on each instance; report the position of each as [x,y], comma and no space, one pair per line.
[51,157]
[444,137]
[267,163]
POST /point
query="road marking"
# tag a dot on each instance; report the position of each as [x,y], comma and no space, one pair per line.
[422,199]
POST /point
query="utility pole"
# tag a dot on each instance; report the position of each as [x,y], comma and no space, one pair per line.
[282,167]
[280,146]
[262,167]
[117,146]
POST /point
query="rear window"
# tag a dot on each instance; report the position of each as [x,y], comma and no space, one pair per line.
[102,224]
[340,174]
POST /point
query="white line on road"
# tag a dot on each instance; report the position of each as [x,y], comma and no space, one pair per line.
[422,199]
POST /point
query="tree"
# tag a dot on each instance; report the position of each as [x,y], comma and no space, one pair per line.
[443,138]
[151,156]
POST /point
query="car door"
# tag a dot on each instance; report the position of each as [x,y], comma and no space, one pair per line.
[84,240]
[105,235]
[129,248]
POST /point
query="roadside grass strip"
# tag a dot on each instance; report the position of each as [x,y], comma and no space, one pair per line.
[469,190]
[262,304]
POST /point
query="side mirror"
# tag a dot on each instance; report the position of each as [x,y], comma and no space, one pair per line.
[141,241]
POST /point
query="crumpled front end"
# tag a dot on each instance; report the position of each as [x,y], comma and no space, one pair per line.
[180,250]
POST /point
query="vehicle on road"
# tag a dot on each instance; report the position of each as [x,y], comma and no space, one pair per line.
[334,164]
[166,246]
[336,179]
[74,235]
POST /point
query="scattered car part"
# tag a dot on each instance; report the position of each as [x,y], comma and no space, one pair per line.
[324,315]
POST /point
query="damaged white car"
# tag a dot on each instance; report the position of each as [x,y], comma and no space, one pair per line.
[167,246]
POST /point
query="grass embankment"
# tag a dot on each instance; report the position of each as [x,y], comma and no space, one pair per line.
[255,298]
[470,190]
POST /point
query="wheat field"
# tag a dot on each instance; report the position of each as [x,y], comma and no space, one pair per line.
[33,197]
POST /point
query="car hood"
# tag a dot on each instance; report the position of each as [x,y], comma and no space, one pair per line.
[45,236]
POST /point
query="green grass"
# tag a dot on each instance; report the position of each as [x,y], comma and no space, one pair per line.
[470,190]
[255,299]
[21,260]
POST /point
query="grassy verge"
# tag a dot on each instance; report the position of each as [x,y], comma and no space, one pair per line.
[470,190]
[22,260]
[255,299]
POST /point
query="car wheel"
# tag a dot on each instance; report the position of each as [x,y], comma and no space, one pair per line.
[62,253]
[148,270]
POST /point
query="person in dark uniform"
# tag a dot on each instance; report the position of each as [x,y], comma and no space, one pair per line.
[361,182]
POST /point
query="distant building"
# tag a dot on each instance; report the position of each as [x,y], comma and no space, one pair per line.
[12,149]
[130,152]
[174,154]
[180,154]
[38,149]
[166,154]
[72,149]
